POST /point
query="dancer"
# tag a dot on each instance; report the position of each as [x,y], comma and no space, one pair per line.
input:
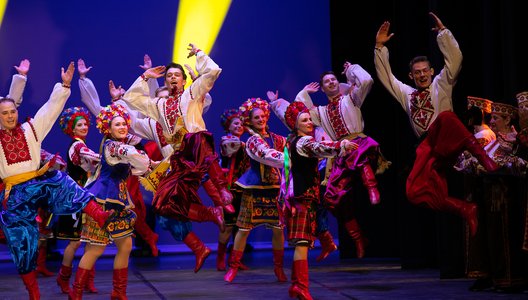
[27,187]
[429,107]
[81,163]
[260,184]
[118,160]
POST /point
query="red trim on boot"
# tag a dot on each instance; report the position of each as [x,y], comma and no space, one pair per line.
[278,258]
[300,280]
[200,250]
[119,283]
[31,283]
[63,279]
[234,263]
[327,245]
[97,213]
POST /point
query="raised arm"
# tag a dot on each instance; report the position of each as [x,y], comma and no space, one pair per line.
[395,87]
[208,72]
[360,80]
[138,97]
[304,97]
[152,82]
[89,95]
[451,51]
[18,83]
[50,111]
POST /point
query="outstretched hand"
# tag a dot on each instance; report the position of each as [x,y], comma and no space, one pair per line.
[68,75]
[23,67]
[311,87]
[438,24]
[192,50]
[383,34]
[115,92]
[155,72]
[81,68]
[191,72]
[346,65]
[147,62]
[272,96]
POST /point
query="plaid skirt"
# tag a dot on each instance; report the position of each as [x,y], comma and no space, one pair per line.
[258,207]
[120,226]
[302,225]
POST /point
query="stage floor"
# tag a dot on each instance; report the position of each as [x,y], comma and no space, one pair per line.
[171,276]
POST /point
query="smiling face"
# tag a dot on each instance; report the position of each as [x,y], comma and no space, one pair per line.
[330,85]
[81,128]
[500,123]
[174,79]
[304,124]
[236,128]
[118,128]
[258,120]
[422,74]
[8,115]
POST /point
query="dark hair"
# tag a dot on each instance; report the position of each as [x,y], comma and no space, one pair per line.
[324,74]
[418,59]
[6,99]
[177,66]
[474,115]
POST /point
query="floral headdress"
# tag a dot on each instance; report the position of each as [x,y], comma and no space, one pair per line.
[249,105]
[227,116]
[292,113]
[107,114]
[70,116]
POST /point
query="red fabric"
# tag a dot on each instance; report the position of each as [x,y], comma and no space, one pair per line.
[153,151]
[179,189]
[427,185]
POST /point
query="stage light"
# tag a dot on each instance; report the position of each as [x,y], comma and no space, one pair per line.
[3,4]
[198,22]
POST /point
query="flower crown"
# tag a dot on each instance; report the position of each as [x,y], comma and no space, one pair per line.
[227,116]
[107,114]
[292,113]
[251,104]
[69,116]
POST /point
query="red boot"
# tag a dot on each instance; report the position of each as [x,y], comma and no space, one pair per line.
[31,283]
[63,279]
[120,281]
[467,210]
[201,213]
[149,236]
[234,263]
[219,197]
[241,266]
[473,146]
[96,211]
[90,287]
[327,245]
[278,256]
[300,282]
[200,250]
[354,232]
[220,257]
[77,287]
[41,262]
[369,181]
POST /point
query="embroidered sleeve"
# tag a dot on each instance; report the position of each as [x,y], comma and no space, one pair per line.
[208,72]
[82,156]
[118,153]
[45,156]
[229,145]
[138,98]
[307,146]
[259,150]
[279,107]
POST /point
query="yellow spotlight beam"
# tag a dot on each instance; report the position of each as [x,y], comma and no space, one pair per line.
[3,4]
[198,22]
